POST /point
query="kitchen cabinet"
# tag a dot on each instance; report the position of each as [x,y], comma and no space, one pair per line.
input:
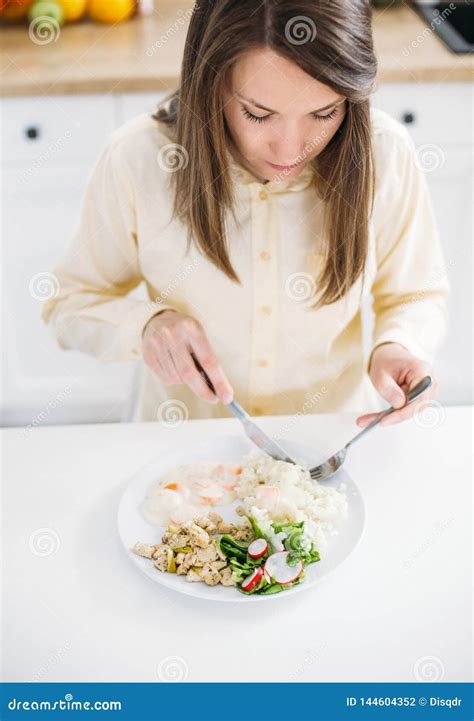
[439,118]
[50,145]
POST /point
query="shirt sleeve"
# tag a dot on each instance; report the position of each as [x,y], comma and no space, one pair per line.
[90,311]
[410,288]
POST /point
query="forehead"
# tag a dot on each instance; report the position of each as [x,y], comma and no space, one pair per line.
[277,83]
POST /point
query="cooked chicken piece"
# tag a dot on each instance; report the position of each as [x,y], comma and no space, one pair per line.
[218,565]
[226,576]
[215,517]
[182,569]
[186,563]
[210,575]
[163,557]
[205,555]
[176,540]
[179,558]
[244,534]
[197,535]
[206,524]
[193,575]
[144,549]
[224,527]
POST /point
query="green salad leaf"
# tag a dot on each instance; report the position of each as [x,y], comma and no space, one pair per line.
[243,565]
[232,548]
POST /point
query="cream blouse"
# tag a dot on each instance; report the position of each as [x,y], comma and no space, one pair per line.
[281,356]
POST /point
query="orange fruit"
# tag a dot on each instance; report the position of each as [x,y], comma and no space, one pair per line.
[15,10]
[110,11]
[73,9]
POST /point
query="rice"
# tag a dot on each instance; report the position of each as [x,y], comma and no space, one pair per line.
[277,491]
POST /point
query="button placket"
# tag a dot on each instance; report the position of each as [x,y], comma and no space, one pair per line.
[265,301]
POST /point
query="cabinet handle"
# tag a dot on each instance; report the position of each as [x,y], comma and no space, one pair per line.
[32,132]
[408,117]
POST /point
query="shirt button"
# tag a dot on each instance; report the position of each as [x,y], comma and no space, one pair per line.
[263,195]
[265,255]
[262,363]
[266,309]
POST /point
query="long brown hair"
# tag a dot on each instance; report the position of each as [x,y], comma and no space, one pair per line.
[341,57]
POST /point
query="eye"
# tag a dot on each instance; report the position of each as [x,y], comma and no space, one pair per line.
[329,116]
[252,117]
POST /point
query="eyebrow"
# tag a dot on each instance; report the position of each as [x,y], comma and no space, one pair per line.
[269,110]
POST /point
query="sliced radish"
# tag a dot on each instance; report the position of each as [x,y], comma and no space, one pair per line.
[257,548]
[277,567]
[252,580]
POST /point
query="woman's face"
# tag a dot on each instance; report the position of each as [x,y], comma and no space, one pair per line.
[279,117]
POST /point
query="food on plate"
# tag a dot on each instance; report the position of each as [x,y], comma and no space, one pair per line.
[190,491]
[273,570]
[192,549]
[285,520]
[276,491]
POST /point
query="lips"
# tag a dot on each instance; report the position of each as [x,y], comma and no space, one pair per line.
[282,168]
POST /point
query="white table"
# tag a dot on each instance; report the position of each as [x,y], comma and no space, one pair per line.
[84,612]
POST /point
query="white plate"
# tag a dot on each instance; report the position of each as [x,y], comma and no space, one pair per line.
[133,527]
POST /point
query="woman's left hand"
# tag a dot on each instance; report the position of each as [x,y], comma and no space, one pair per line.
[394,371]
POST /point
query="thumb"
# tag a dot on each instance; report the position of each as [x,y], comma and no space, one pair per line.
[390,390]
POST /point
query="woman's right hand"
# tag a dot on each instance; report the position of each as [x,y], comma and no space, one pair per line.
[168,340]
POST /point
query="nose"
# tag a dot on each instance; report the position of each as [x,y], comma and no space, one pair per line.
[288,148]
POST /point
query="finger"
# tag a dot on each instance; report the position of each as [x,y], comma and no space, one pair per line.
[172,376]
[363,421]
[409,410]
[389,389]
[158,358]
[403,414]
[190,375]
[205,355]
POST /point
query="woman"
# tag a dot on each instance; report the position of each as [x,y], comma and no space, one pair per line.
[262,204]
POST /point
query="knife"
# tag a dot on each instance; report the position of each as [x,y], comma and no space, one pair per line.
[253,432]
